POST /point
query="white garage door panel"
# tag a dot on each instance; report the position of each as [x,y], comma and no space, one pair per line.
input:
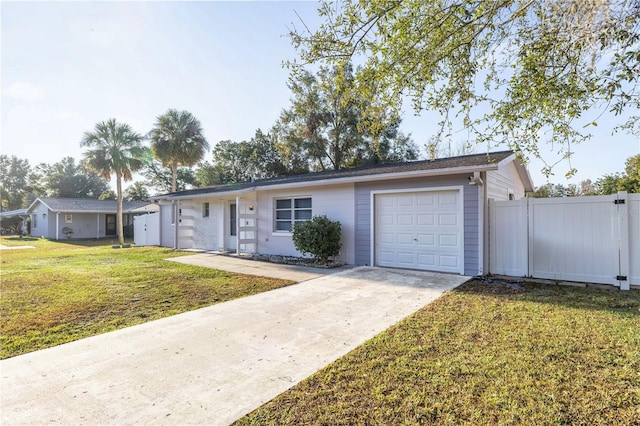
[448,240]
[448,219]
[450,261]
[426,219]
[428,261]
[419,230]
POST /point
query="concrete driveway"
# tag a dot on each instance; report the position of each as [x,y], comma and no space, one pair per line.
[213,365]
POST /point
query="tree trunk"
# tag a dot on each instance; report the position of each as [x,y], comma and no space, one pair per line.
[119,226]
[174,176]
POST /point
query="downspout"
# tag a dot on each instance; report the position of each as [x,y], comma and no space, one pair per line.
[57,225]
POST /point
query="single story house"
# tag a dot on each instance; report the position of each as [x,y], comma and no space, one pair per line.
[61,218]
[429,215]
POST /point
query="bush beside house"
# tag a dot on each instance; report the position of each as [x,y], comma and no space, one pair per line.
[319,237]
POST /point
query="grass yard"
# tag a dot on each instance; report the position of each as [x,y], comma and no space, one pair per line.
[484,354]
[64,291]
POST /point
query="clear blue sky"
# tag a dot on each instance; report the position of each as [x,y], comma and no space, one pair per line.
[68,65]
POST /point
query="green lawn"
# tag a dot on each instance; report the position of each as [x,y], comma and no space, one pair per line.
[64,291]
[484,354]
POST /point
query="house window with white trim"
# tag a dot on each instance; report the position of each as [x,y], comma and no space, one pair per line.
[205,209]
[34,220]
[68,218]
[289,211]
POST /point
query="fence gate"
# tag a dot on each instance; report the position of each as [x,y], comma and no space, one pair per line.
[588,239]
[146,230]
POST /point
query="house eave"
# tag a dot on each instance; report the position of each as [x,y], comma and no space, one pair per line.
[337,181]
[29,210]
[176,197]
[523,172]
[34,203]
[385,176]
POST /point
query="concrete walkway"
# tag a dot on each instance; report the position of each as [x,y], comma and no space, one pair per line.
[213,365]
[15,247]
[253,267]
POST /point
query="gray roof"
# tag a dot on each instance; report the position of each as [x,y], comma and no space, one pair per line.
[464,162]
[84,205]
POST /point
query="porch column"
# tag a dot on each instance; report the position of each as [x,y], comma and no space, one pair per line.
[237,225]
[98,226]
[176,223]
[57,225]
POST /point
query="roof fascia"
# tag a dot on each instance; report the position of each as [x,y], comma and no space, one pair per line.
[386,176]
[347,179]
[37,200]
[525,176]
[523,172]
[204,195]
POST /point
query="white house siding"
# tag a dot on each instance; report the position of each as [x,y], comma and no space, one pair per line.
[334,201]
[471,214]
[206,230]
[42,222]
[166,227]
[503,181]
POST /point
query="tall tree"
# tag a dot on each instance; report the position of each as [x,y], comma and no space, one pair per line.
[520,72]
[628,181]
[242,161]
[631,180]
[137,192]
[160,177]
[14,182]
[327,124]
[114,148]
[178,139]
[68,179]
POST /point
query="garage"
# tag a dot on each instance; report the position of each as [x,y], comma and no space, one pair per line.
[419,230]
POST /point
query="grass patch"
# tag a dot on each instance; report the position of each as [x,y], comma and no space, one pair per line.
[64,291]
[484,354]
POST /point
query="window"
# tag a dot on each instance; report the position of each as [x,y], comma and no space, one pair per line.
[34,220]
[205,209]
[68,218]
[233,223]
[289,211]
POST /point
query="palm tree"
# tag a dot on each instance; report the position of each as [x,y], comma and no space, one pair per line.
[114,148]
[177,139]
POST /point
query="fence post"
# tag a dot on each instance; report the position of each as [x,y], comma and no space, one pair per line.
[492,236]
[528,212]
[623,242]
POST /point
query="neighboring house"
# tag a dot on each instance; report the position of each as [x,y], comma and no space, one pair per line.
[61,218]
[15,226]
[428,215]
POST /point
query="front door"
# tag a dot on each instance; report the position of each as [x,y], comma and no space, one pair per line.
[110,228]
[232,229]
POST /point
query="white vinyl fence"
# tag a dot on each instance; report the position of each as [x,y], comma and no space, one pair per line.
[146,230]
[587,239]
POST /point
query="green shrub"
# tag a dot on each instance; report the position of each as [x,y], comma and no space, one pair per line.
[319,237]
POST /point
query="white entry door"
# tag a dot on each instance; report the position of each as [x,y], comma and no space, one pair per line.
[232,226]
[420,230]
